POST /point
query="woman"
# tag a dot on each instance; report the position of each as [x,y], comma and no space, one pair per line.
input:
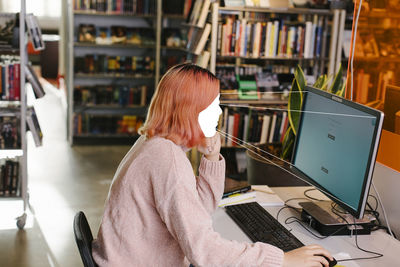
[157,212]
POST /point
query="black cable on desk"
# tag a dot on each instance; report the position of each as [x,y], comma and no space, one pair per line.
[377,255]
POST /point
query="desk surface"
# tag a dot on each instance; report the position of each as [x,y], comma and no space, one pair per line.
[378,241]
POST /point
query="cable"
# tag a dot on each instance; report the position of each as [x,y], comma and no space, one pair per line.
[353,47]
[286,206]
[308,230]
[377,255]
[310,197]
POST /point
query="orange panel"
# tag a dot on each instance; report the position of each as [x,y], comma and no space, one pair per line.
[389,150]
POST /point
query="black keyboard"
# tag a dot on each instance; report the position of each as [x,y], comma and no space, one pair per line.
[260,226]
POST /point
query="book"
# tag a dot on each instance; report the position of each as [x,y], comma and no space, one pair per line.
[10,133]
[272,128]
[9,36]
[35,32]
[236,190]
[103,36]
[34,81]
[266,197]
[203,40]
[34,126]
[265,128]
[118,34]
[203,59]
[204,12]
[237,198]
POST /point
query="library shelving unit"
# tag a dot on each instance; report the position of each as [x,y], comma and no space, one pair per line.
[288,48]
[16,109]
[376,55]
[110,83]
[243,116]
[329,55]
[89,99]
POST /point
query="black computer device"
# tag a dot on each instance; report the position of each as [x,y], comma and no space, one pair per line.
[335,151]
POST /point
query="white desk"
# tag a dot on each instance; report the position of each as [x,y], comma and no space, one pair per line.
[378,241]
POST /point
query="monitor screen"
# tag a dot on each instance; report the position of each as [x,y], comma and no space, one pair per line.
[336,147]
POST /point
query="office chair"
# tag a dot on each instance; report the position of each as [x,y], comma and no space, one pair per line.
[84,238]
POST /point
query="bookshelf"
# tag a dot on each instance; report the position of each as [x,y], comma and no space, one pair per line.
[249,111]
[246,41]
[113,61]
[13,112]
[97,66]
[376,54]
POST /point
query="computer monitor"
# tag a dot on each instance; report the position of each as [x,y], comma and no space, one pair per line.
[336,147]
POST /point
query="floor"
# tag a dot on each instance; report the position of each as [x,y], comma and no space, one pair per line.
[62,181]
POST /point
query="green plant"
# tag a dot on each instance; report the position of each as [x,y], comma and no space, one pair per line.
[296,100]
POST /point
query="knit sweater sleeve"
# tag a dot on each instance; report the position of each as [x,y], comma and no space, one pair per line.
[210,182]
[190,223]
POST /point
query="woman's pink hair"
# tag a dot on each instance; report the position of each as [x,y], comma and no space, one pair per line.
[183,92]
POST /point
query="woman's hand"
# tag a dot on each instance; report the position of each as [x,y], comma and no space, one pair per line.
[211,147]
[307,257]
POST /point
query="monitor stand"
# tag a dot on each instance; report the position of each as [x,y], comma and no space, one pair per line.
[320,216]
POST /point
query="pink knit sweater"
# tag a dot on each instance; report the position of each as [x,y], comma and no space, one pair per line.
[158,214]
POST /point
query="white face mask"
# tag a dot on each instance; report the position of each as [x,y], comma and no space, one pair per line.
[208,118]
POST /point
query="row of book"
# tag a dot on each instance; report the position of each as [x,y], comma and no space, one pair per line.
[117,6]
[109,64]
[377,43]
[115,35]
[9,178]
[268,84]
[10,79]
[10,130]
[198,12]
[9,31]
[198,38]
[121,95]
[275,38]
[253,126]
[86,124]
[9,37]
[10,136]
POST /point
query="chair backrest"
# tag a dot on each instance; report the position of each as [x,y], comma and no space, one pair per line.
[84,238]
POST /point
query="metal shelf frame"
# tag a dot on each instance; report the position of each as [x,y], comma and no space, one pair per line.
[18,108]
[70,46]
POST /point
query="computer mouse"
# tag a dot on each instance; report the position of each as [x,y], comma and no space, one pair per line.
[331,263]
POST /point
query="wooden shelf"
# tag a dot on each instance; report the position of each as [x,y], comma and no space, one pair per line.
[112,76]
[7,198]
[191,25]
[309,11]
[254,102]
[384,14]
[104,139]
[378,59]
[183,49]
[174,16]
[10,104]
[272,58]
[111,110]
[99,13]
[6,51]
[94,45]
[11,153]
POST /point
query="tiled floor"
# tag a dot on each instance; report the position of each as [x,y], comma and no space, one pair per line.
[62,181]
